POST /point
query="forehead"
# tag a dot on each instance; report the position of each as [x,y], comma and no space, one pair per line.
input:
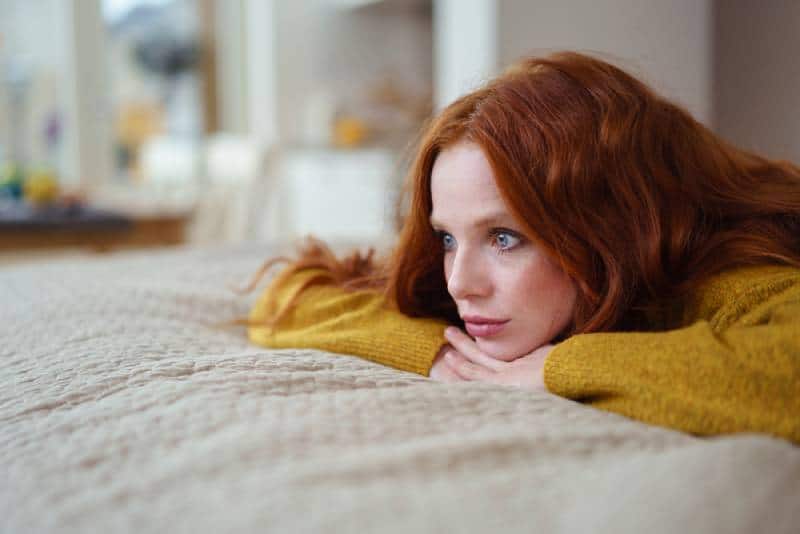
[463,185]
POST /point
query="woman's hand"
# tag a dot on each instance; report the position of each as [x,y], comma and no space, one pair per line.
[462,360]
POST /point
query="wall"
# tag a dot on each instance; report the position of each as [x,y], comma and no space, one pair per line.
[757,75]
[465,46]
[668,44]
[324,49]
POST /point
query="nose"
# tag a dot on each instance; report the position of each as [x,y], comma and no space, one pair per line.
[468,276]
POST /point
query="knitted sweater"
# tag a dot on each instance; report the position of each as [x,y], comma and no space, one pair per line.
[725,360]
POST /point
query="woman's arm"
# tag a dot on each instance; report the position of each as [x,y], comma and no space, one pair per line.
[359,323]
[741,374]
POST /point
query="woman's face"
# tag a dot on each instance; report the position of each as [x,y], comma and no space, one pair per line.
[511,297]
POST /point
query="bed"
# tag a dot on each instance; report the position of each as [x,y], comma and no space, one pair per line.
[125,407]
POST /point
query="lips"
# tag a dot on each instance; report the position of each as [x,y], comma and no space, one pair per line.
[482,326]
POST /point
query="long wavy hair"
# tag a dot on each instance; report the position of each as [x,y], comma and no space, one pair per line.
[635,200]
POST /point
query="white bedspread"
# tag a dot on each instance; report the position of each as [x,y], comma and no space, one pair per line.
[122,409]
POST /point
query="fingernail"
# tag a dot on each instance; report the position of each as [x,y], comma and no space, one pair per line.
[449,331]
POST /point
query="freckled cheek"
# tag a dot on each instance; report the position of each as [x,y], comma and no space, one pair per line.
[555,303]
[513,294]
[542,294]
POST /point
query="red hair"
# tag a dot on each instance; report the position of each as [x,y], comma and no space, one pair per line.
[632,197]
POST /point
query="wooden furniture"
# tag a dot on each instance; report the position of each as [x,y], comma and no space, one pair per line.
[23,228]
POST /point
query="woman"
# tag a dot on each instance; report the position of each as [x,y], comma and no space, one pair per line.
[582,236]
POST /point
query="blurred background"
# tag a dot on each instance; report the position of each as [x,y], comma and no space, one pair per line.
[150,123]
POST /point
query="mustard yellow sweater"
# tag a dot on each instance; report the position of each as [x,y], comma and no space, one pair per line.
[726,360]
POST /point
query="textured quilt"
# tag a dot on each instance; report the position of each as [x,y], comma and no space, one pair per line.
[125,408]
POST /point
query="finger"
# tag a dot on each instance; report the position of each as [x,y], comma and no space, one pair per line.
[449,375]
[468,370]
[469,349]
[445,373]
[442,370]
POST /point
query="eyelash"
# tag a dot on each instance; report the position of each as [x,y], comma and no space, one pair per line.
[493,234]
[440,234]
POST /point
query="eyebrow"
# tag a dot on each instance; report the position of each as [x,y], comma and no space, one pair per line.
[492,219]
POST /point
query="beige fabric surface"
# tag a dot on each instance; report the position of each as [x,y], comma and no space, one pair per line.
[123,410]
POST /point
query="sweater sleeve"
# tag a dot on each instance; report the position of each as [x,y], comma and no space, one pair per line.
[356,323]
[736,370]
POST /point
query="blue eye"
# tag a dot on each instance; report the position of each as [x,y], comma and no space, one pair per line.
[505,240]
[448,241]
